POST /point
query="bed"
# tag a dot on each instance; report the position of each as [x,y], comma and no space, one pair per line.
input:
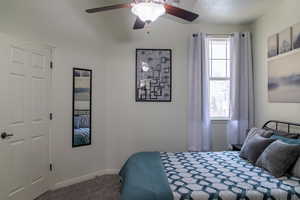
[203,176]
[81,127]
[81,136]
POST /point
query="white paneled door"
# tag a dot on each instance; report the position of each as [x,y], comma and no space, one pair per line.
[24,119]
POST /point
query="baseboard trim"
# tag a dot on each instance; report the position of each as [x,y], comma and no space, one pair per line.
[83,178]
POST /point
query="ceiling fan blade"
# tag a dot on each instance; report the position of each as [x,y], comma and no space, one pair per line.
[181,13]
[105,8]
[139,24]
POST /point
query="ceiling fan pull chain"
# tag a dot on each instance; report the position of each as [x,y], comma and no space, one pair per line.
[148,29]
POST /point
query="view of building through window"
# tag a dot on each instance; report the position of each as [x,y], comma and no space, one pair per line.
[219,76]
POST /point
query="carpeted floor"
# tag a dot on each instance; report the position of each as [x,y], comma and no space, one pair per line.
[105,187]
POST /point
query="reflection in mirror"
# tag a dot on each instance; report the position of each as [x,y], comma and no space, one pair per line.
[82,101]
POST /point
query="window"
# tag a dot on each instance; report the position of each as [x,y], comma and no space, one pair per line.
[219,77]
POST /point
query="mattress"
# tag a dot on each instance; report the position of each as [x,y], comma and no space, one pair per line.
[223,176]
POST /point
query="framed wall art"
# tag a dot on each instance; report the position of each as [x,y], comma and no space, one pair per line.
[283,69]
[273,46]
[284,78]
[296,36]
[285,41]
[153,75]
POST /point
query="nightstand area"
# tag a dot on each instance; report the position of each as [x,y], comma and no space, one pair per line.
[236,147]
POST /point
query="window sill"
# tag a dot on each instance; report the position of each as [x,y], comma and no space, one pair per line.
[219,120]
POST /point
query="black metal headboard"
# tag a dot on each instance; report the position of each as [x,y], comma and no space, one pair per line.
[278,123]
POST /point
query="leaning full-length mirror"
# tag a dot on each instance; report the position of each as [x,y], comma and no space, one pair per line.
[82,107]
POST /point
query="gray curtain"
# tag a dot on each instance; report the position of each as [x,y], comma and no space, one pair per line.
[199,126]
[242,100]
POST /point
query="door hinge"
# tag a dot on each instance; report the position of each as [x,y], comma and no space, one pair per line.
[51,167]
[51,116]
[51,65]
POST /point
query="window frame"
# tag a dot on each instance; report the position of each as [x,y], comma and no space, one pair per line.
[228,75]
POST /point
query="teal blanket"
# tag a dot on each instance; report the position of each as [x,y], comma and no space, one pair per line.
[143,178]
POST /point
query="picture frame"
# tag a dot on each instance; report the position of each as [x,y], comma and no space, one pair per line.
[296,36]
[284,82]
[153,75]
[285,41]
[273,46]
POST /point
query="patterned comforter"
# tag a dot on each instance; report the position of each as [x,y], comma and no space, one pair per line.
[224,176]
[81,136]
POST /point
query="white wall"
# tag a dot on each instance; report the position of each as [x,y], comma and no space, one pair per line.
[277,19]
[120,125]
[133,127]
[76,44]
[73,162]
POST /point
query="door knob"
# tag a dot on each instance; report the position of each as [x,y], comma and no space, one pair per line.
[5,135]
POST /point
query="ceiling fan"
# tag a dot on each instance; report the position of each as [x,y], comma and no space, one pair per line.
[147,11]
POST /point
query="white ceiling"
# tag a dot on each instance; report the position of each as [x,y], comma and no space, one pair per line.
[120,21]
[68,18]
[231,11]
[216,11]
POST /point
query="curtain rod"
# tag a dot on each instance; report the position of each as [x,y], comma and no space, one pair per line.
[224,34]
[229,34]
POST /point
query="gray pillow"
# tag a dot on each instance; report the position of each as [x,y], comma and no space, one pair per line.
[77,122]
[258,131]
[84,121]
[254,146]
[266,133]
[278,157]
[296,169]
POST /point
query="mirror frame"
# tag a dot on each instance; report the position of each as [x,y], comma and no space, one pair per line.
[73,107]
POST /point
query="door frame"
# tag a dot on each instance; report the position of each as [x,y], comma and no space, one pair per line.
[50,96]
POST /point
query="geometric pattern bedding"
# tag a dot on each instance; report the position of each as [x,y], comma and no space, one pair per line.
[224,176]
[81,136]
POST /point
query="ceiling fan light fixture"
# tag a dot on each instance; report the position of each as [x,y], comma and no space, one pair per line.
[148,11]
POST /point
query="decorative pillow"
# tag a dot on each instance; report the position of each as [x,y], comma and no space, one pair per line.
[84,121]
[286,140]
[258,131]
[287,135]
[266,133]
[254,146]
[296,169]
[76,122]
[278,157]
